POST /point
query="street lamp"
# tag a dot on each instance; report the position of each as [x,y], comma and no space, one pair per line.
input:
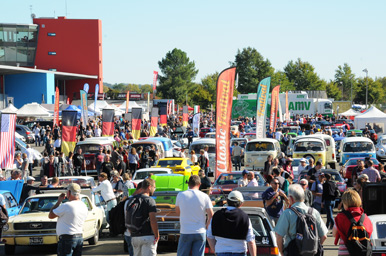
[367,83]
[341,84]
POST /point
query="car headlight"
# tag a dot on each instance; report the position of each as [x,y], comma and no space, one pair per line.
[6,227]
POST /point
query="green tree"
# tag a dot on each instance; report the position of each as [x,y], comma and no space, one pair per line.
[251,69]
[178,73]
[333,91]
[132,88]
[303,76]
[209,83]
[376,92]
[280,78]
[146,88]
[346,79]
[201,96]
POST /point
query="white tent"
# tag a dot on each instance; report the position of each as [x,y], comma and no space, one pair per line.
[32,109]
[100,104]
[350,112]
[132,104]
[374,117]
[117,110]
[10,109]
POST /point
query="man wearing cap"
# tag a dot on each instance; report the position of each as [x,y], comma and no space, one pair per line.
[71,217]
[195,210]
[302,166]
[243,181]
[221,235]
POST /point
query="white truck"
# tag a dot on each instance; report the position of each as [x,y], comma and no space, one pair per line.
[298,103]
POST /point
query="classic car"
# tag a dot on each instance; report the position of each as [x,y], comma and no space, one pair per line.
[179,165]
[32,227]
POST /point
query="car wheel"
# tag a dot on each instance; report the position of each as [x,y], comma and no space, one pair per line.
[9,249]
[94,240]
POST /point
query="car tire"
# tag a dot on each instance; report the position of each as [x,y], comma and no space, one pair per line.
[94,240]
[9,249]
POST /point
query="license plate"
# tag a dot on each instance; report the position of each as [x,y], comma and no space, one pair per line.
[36,240]
[163,238]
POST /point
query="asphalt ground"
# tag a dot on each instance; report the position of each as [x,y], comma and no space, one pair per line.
[114,245]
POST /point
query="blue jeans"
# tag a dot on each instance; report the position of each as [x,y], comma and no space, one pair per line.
[231,254]
[329,206]
[194,243]
[129,245]
[237,160]
[317,206]
[70,246]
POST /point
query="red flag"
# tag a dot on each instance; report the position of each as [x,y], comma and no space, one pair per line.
[225,87]
[155,77]
[154,122]
[107,122]
[56,107]
[136,117]
[7,140]
[274,106]
[127,101]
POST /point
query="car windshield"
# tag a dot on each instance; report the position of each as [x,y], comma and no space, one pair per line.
[362,146]
[260,146]
[309,146]
[354,161]
[336,177]
[381,229]
[197,147]
[259,229]
[296,162]
[43,204]
[82,182]
[88,148]
[140,175]
[228,179]
[177,144]
[164,163]
[383,142]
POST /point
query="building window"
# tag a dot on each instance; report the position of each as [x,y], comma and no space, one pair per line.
[51,53]
[52,69]
[51,34]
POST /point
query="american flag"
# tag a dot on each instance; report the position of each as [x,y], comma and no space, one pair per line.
[7,140]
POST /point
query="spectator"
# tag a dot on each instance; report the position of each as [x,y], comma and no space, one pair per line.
[145,241]
[25,166]
[302,166]
[267,166]
[308,198]
[286,225]
[222,238]
[312,173]
[121,167]
[27,187]
[317,192]
[106,191]
[54,183]
[373,173]
[152,156]
[356,172]
[79,162]
[205,182]
[328,199]
[133,160]
[127,184]
[107,167]
[202,160]
[117,185]
[195,210]
[31,157]
[382,173]
[273,199]
[276,174]
[98,160]
[193,157]
[237,152]
[252,182]
[288,167]
[352,205]
[18,161]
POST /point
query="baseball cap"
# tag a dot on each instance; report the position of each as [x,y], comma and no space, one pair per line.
[30,178]
[289,159]
[236,196]
[74,188]
[303,160]
[244,172]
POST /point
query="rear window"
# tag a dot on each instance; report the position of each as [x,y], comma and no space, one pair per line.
[381,229]
[228,179]
[308,146]
[88,148]
[260,146]
[358,147]
[197,147]
[143,175]
[258,227]
[164,163]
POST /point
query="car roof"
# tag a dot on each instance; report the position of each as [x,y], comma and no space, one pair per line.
[377,217]
[264,140]
[174,158]
[204,141]
[357,139]
[153,169]
[96,140]
[158,138]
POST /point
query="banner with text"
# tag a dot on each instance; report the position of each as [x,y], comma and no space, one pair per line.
[262,98]
[56,107]
[274,106]
[83,104]
[225,87]
[155,77]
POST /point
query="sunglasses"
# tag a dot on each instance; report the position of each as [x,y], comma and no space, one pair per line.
[303,184]
[276,183]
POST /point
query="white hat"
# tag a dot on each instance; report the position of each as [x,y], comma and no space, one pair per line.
[236,196]
[303,160]
[30,178]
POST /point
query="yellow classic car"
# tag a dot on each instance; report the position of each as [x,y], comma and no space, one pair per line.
[33,227]
[179,165]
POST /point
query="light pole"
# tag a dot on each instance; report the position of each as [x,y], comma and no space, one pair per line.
[341,84]
[367,83]
[351,92]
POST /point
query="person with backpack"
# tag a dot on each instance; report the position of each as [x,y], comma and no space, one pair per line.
[297,224]
[346,230]
[141,221]
[328,199]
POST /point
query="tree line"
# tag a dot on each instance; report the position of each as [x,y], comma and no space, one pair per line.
[177,73]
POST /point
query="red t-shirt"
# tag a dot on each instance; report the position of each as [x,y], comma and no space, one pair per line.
[343,224]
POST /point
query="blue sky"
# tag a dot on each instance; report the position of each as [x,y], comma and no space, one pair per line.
[138,34]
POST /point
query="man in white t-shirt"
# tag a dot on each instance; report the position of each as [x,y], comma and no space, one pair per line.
[71,217]
[106,190]
[278,134]
[97,131]
[195,210]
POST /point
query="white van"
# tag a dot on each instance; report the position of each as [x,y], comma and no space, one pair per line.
[257,150]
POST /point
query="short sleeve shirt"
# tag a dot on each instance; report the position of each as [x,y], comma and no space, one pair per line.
[78,159]
[148,207]
[72,216]
[2,200]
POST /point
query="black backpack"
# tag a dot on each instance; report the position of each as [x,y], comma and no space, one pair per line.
[3,216]
[117,219]
[306,242]
[135,218]
[358,240]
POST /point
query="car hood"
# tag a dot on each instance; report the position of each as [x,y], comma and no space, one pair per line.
[14,186]
[31,217]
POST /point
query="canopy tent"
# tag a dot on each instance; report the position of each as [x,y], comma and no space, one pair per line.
[132,104]
[10,109]
[32,109]
[78,110]
[373,117]
[117,111]
[100,104]
[350,113]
